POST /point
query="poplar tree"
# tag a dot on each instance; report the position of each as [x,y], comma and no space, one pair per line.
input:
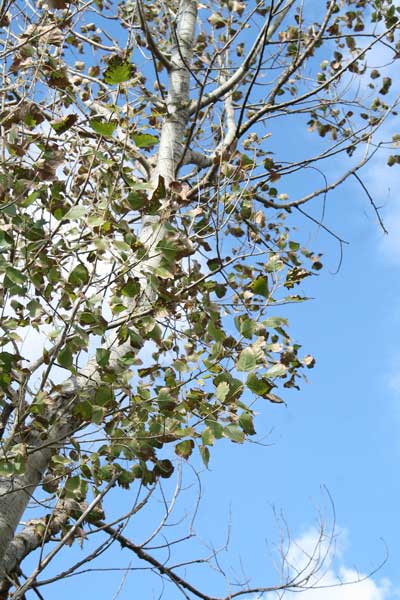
[147,243]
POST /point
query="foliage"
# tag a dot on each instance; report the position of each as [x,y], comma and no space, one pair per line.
[146,201]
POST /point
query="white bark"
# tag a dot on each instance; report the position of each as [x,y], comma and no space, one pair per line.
[16,492]
[34,533]
[178,101]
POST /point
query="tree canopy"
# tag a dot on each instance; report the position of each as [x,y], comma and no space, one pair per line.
[151,192]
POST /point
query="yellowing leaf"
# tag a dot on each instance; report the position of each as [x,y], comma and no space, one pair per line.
[222,391]
[184,448]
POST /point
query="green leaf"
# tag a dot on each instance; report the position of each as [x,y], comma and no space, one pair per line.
[296,298]
[76,212]
[205,455]
[34,307]
[131,289]
[274,263]
[220,290]
[129,359]
[216,428]
[185,448]
[222,391]
[246,423]
[234,433]
[62,125]
[103,395]
[275,322]
[72,486]
[84,410]
[214,264]
[95,220]
[38,406]
[98,413]
[165,401]
[145,140]
[163,273]
[8,360]
[208,437]
[215,332]
[87,318]
[122,246]
[64,358]
[258,386]
[118,71]
[245,326]
[247,360]
[277,370]
[136,200]
[104,128]
[5,241]
[15,276]
[181,366]
[79,275]
[9,468]
[260,286]
[102,356]
[60,460]
[136,340]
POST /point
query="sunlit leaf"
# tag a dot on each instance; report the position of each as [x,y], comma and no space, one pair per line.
[260,286]
[247,360]
[222,391]
[118,71]
[76,212]
[234,433]
[277,370]
[145,140]
[104,128]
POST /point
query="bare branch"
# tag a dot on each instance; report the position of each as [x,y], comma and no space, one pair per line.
[267,31]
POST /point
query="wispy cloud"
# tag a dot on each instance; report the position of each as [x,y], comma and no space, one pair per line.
[329,577]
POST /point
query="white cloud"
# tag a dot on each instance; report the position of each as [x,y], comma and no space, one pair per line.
[321,561]
[382,183]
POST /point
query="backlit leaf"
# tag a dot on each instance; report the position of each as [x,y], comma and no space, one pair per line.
[118,71]
[260,286]
[145,140]
[185,448]
[104,128]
